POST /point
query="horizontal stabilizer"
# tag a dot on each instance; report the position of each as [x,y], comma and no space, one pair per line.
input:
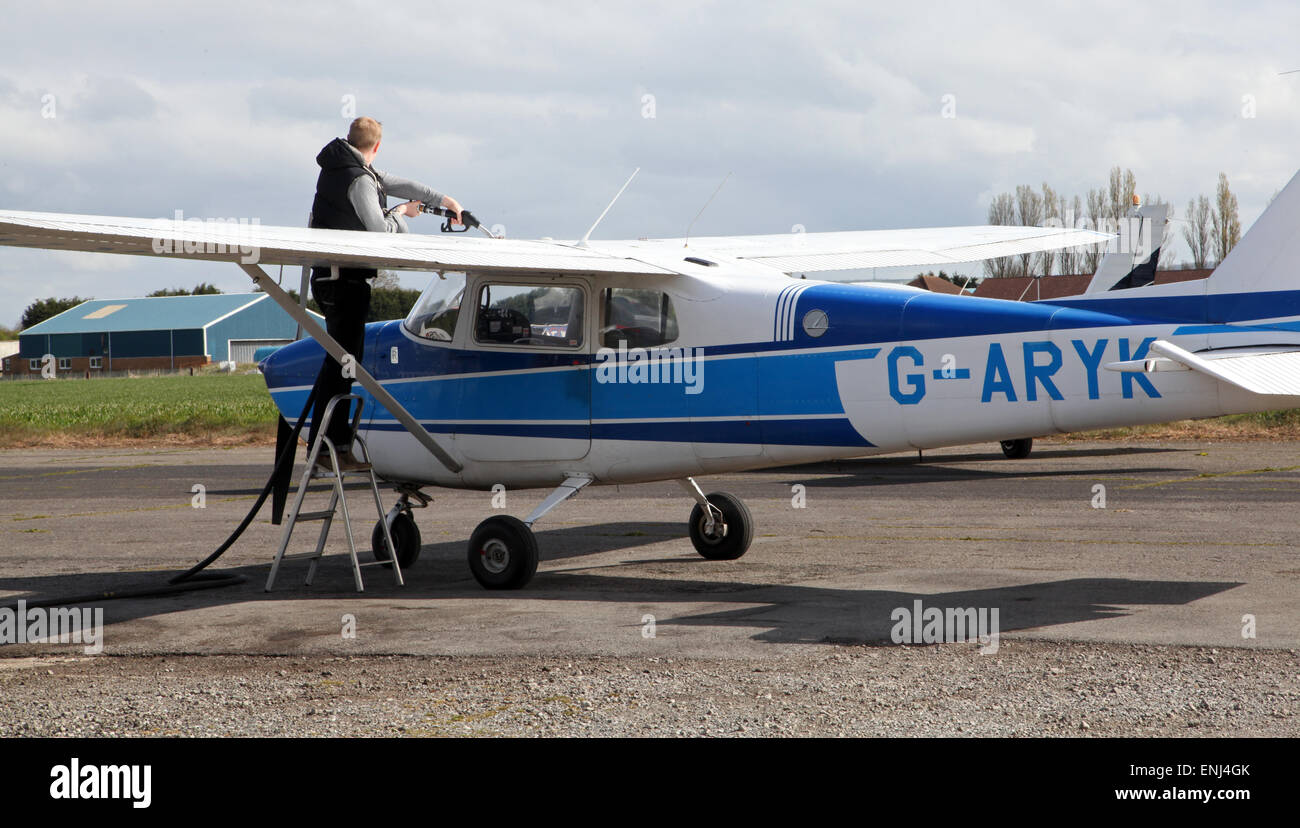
[1259,370]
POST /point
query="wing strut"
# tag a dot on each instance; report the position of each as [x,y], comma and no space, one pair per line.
[335,350]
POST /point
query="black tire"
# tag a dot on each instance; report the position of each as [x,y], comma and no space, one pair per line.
[502,553]
[1017,449]
[739,528]
[406,537]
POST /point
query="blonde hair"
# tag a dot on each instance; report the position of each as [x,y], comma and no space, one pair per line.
[364,133]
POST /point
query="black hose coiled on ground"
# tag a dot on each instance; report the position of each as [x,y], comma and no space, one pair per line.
[287,452]
[191,579]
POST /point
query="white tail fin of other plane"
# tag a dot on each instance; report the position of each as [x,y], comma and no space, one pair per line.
[1136,265]
[1268,256]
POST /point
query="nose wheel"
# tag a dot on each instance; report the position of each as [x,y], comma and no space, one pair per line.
[502,553]
[728,535]
[406,537]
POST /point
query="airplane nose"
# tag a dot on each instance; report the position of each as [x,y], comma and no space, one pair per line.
[267,363]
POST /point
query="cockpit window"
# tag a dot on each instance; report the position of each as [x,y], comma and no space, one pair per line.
[640,317]
[529,315]
[434,316]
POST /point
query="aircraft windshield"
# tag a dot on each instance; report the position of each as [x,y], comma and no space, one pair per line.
[434,316]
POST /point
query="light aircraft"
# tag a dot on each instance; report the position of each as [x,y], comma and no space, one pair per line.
[530,364]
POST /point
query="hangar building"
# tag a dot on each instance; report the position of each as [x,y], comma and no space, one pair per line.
[159,332]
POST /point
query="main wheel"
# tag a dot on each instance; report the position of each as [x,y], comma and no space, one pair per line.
[1017,449]
[502,553]
[731,537]
[406,539]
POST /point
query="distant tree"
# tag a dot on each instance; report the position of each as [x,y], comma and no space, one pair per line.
[391,303]
[1197,231]
[964,282]
[1227,227]
[1098,221]
[1047,259]
[386,279]
[201,289]
[1119,194]
[311,303]
[1002,210]
[385,303]
[8,334]
[1069,258]
[1029,213]
[42,309]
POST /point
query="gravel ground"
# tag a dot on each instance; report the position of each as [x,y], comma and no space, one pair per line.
[1029,688]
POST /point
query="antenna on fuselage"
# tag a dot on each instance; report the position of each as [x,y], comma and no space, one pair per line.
[702,209]
[587,235]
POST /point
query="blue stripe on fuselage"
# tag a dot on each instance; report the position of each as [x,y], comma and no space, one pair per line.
[790,380]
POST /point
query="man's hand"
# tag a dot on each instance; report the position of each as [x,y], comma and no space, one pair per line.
[410,209]
[449,203]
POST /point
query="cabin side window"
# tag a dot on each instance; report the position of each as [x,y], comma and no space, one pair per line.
[434,316]
[639,317]
[510,314]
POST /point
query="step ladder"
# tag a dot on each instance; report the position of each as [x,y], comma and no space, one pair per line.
[324,447]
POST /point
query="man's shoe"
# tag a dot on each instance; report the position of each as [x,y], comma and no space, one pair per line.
[350,462]
[347,462]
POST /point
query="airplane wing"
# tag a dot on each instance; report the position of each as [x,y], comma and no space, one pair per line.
[860,249]
[247,243]
[271,245]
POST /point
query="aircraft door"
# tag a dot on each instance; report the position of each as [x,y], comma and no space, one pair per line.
[643,379]
[525,394]
[724,415]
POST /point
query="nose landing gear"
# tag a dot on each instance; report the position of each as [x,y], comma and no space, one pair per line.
[720,525]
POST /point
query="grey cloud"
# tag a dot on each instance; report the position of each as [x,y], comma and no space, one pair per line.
[828,113]
[111,99]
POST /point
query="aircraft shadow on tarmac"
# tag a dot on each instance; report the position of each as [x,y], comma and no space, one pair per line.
[780,613]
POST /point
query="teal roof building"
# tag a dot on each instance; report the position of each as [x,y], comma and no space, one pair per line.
[218,327]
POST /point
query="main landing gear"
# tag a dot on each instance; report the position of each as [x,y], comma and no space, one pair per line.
[502,552]
[1017,449]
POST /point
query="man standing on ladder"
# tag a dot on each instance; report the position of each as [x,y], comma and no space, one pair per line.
[352,195]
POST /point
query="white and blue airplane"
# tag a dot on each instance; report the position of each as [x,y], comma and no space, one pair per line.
[529,364]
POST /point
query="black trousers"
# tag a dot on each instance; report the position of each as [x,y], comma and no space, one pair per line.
[345,302]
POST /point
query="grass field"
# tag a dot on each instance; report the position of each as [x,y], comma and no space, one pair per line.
[232,409]
[206,408]
[1263,425]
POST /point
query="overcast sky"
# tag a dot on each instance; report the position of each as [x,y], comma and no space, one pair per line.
[829,115]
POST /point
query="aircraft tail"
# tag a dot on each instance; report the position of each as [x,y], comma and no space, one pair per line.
[1268,256]
[1136,265]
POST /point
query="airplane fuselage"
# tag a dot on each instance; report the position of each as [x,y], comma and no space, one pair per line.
[764,370]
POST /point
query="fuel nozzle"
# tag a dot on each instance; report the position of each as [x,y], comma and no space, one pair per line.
[467,220]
